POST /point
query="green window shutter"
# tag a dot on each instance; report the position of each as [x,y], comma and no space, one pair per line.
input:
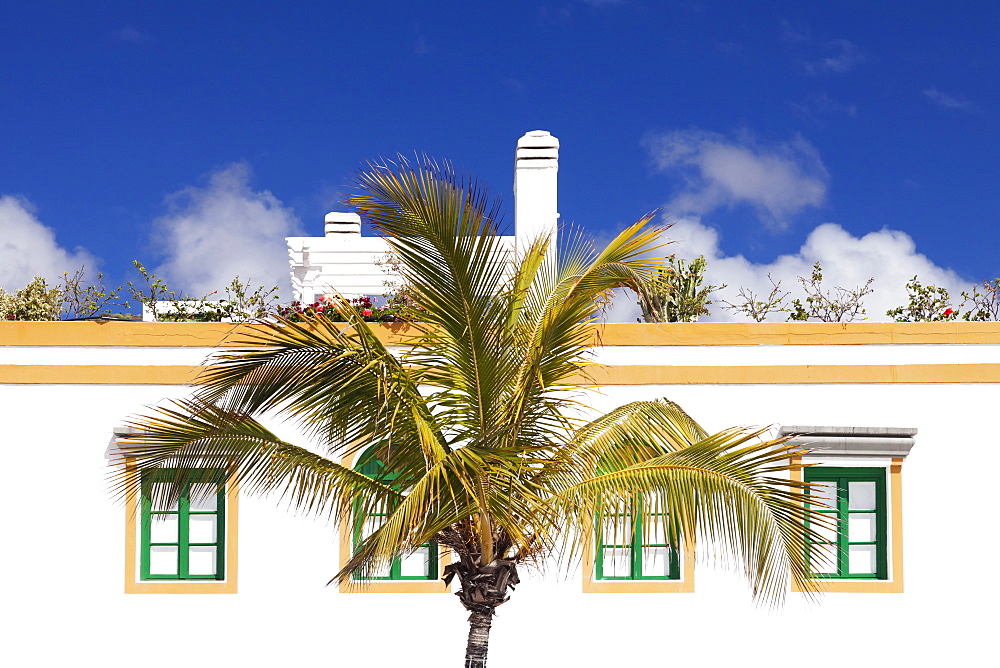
[182,538]
[854,531]
[422,564]
[634,546]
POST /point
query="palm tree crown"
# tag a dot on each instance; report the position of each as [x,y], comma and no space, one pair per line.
[484,441]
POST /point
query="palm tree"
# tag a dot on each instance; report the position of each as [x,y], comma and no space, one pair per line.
[481,431]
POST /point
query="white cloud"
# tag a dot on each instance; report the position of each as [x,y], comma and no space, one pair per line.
[888,256]
[777,181]
[947,101]
[226,229]
[29,248]
[844,57]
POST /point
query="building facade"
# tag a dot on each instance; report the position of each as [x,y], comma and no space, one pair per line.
[900,415]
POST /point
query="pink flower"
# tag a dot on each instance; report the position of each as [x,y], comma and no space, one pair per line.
[367,312]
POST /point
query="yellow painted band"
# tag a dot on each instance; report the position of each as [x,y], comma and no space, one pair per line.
[790,375]
[96,374]
[796,333]
[211,334]
[150,334]
[16,374]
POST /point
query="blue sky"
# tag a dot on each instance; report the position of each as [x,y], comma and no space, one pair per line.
[195,136]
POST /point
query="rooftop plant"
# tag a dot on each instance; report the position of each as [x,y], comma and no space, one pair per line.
[837,305]
[35,301]
[985,304]
[676,293]
[927,303]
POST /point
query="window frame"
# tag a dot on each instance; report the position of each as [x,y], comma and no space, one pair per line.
[183,542]
[349,531]
[635,546]
[133,582]
[893,584]
[395,567]
[841,477]
[683,566]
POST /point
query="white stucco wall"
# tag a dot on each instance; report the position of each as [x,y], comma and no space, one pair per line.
[65,540]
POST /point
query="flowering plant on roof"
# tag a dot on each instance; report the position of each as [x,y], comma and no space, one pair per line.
[393,309]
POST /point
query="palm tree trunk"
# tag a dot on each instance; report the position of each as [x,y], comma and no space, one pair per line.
[479,639]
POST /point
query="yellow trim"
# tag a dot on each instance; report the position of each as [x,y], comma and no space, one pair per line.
[804,374]
[135,586]
[97,374]
[212,334]
[384,586]
[150,334]
[819,374]
[683,586]
[896,521]
[796,333]
[129,334]
[894,585]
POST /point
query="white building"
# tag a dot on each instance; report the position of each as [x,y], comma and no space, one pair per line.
[899,414]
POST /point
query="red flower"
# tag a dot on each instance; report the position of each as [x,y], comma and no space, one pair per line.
[367,312]
[948,312]
[322,298]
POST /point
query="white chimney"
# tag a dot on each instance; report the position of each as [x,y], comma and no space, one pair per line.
[535,169]
[338,223]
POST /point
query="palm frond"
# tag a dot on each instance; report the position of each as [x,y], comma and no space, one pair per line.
[721,491]
[338,382]
[192,438]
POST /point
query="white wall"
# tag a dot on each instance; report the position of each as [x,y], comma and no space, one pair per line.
[64,547]
[344,263]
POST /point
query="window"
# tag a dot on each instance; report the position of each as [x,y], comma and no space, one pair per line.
[415,572]
[853,501]
[635,547]
[420,565]
[182,539]
[861,473]
[630,553]
[187,548]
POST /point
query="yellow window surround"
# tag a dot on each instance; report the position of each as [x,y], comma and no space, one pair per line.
[133,583]
[832,444]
